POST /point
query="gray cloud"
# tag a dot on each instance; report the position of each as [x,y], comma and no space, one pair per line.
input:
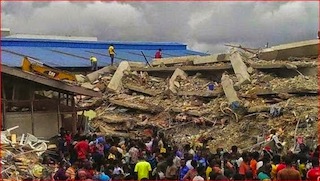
[204,26]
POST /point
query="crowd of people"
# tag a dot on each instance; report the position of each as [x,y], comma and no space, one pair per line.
[155,158]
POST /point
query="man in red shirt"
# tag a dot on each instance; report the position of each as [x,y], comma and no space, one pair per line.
[281,165]
[158,54]
[314,173]
[288,173]
[82,148]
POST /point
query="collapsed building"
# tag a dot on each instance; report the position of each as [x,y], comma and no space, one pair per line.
[219,100]
[226,99]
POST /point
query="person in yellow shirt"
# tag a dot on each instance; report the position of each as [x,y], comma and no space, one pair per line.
[112,52]
[143,168]
[94,63]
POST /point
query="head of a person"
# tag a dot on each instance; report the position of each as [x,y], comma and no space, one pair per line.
[255,155]
[111,45]
[194,164]
[276,159]
[82,174]
[315,162]
[273,131]
[245,156]
[303,159]
[219,150]
[287,160]
[170,161]
[187,147]
[160,50]
[182,162]
[234,149]
[83,138]
[249,175]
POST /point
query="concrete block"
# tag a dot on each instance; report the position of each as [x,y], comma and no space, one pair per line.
[176,73]
[116,81]
[227,85]
[174,60]
[81,78]
[239,68]
[211,59]
[95,75]
[87,85]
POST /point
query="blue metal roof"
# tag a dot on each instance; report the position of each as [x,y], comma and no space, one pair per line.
[63,53]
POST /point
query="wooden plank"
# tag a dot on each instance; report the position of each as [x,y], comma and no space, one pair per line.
[141,89]
[256,109]
[190,112]
[174,60]
[140,106]
[215,93]
[288,91]
[114,118]
[228,88]
[239,68]
[116,80]
[108,131]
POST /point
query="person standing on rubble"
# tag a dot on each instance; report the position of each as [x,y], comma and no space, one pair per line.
[112,52]
[94,63]
[158,54]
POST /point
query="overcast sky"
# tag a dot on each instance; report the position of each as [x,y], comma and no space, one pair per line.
[203,26]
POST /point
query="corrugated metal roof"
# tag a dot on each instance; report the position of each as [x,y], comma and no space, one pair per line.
[61,53]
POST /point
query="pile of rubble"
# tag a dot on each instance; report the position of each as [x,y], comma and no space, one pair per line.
[228,108]
[21,157]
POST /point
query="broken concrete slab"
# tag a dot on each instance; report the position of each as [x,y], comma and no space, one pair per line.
[138,106]
[136,64]
[279,65]
[228,88]
[174,60]
[308,48]
[81,78]
[239,68]
[96,74]
[88,85]
[116,81]
[108,131]
[177,73]
[221,57]
[257,109]
[141,90]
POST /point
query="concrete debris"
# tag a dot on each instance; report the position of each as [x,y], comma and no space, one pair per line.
[198,102]
[21,156]
[116,81]
[308,48]
[175,60]
[177,74]
[239,68]
[228,89]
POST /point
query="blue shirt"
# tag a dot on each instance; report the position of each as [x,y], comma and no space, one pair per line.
[183,171]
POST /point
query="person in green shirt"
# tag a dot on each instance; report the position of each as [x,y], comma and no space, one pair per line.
[143,168]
